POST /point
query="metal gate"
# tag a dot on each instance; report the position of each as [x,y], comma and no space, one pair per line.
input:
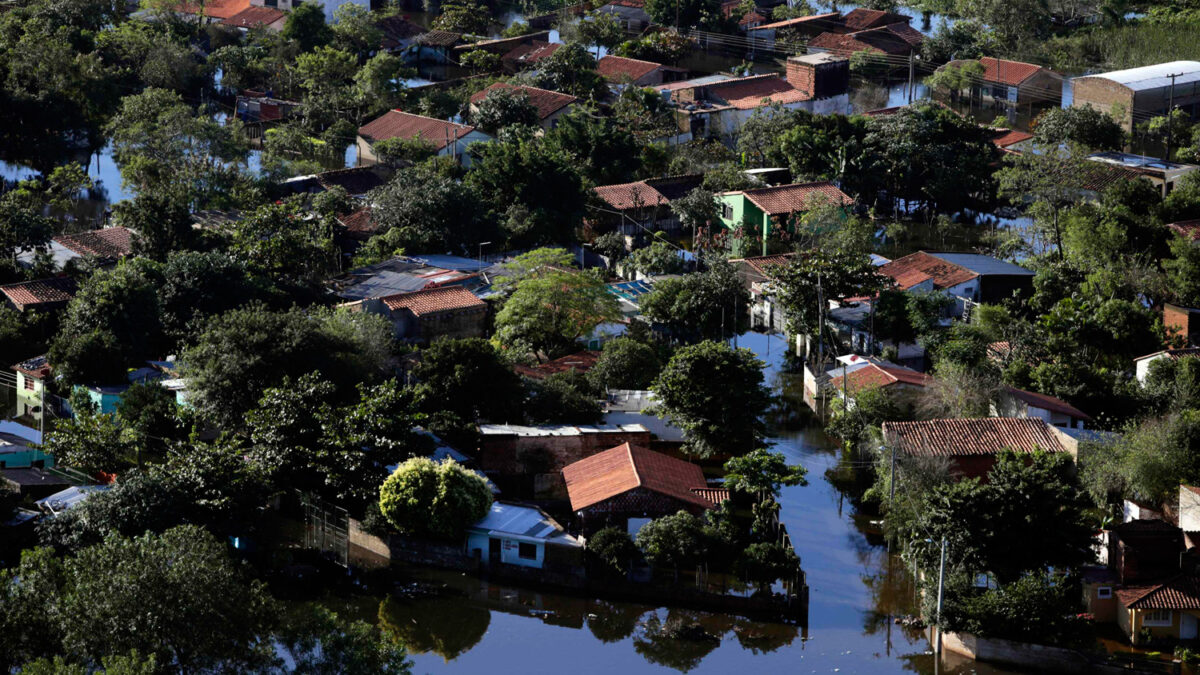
[326,528]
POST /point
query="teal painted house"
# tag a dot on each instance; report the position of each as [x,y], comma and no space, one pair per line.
[16,454]
[756,214]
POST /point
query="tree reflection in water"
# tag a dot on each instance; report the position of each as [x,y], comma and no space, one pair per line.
[763,638]
[613,622]
[679,641]
[448,627]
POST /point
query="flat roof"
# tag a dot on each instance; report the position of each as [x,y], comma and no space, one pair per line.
[1136,161]
[556,430]
[1155,76]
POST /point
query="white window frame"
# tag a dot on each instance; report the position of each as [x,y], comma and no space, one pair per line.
[1158,623]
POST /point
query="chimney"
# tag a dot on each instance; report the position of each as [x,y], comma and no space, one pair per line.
[819,75]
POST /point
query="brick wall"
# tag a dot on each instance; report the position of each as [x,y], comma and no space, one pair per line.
[1103,94]
[453,324]
[636,503]
[822,80]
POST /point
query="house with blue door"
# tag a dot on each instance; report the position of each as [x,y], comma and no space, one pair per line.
[524,536]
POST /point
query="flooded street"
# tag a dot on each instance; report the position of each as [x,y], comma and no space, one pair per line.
[472,625]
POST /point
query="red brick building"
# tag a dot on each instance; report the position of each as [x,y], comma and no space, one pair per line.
[447,312]
[528,461]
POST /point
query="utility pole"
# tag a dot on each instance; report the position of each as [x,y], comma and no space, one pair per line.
[1170,109]
[911,68]
[937,648]
[42,416]
[480,253]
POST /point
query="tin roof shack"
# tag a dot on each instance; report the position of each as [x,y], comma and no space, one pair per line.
[528,461]
[400,275]
[33,483]
[626,487]
[1162,174]
[446,139]
[524,536]
[971,445]
[716,106]
[69,498]
[1150,90]
[1167,611]
[966,277]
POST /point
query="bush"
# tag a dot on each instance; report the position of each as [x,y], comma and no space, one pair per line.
[764,562]
[613,548]
[674,541]
[425,498]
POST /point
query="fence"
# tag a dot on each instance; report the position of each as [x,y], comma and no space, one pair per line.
[326,528]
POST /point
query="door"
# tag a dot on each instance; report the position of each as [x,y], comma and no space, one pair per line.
[493,549]
[1187,626]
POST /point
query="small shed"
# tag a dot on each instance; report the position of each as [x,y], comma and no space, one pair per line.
[514,534]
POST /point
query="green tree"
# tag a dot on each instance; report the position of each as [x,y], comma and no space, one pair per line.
[280,241]
[504,107]
[657,259]
[547,314]
[830,276]
[760,471]
[764,562]
[422,209]
[563,398]
[423,497]
[306,27]
[714,393]
[197,286]
[161,221]
[614,549]
[571,70]
[480,61]
[451,373]
[963,39]
[674,541]
[355,29]
[685,14]
[708,305]
[601,30]
[1083,126]
[464,16]
[90,441]
[955,77]
[148,415]
[604,152]
[321,642]
[625,363]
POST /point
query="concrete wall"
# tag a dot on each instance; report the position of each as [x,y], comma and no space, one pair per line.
[1030,657]
[1103,94]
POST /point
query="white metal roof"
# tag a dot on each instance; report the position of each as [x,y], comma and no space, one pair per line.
[1156,76]
[61,501]
[524,522]
[982,264]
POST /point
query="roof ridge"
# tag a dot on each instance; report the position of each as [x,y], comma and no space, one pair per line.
[637,474]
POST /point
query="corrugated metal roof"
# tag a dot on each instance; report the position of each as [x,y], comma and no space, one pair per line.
[1156,76]
[982,264]
[524,521]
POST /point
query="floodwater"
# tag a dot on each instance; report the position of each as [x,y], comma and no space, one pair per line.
[856,592]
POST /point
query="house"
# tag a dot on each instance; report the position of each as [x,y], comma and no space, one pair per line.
[895,40]
[755,274]
[513,534]
[903,384]
[968,278]
[330,6]
[1011,141]
[261,106]
[499,46]
[628,486]
[446,139]
[866,19]
[580,362]
[550,105]
[398,33]
[761,212]
[436,46]
[268,18]
[1188,229]
[971,445]
[424,316]
[1161,173]
[1189,508]
[527,55]
[69,498]
[104,246]
[1141,364]
[1013,402]
[793,32]
[1013,83]
[1166,610]
[43,294]
[529,459]
[214,11]
[19,452]
[620,70]
[718,105]
[356,181]
[1149,90]
[33,483]
[403,274]
[630,14]
[31,387]
[633,208]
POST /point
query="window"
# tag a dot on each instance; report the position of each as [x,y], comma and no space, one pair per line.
[1157,617]
[999,91]
[1104,592]
[727,211]
[527,551]
[28,383]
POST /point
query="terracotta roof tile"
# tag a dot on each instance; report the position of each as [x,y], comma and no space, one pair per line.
[753,92]
[829,19]
[1048,403]
[762,263]
[1007,72]
[1174,354]
[630,195]
[396,29]
[1007,137]
[618,470]
[27,294]
[359,221]
[614,68]
[918,267]
[397,124]
[1187,228]
[547,102]
[108,243]
[875,41]
[531,52]
[714,495]
[253,17]
[967,437]
[862,19]
[217,9]
[434,300]
[580,362]
[877,376]
[1181,592]
[439,38]
[785,199]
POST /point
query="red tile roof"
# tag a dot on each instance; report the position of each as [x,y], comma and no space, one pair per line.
[1048,403]
[27,294]
[874,41]
[967,437]
[630,195]
[618,470]
[253,17]
[1181,592]
[877,376]
[439,38]
[1007,137]
[1174,354]
[862,19]
[785,199]
[38,366]
[762,263]
[750,17]
[1007,72]
[906,32]
[830,18]
[755,91]
[714,495]
[434,300]
[360,221]
[918,267]
[635,4]
[547,102]
[109,243]
[217,9]
[397,29]
[580,362]
[616,68]
[397,124]
[1189,229]
[531,52]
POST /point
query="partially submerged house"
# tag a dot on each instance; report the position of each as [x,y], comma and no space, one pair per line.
[527,55]
[515,534]
[971,445]
[968,278]
[1013,83]
[620,70]
[252,18]
[1162,174]
[550,105]
[446,139]
[895,40]
[529,459]
[1169,609]
[633,208]
[903,384]
[403,274]
[629,14]
[763,212]
[629,486]
[357,181]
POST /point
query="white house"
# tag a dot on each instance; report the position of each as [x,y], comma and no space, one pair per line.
[520,535]
[1013,402]
[1142,363]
